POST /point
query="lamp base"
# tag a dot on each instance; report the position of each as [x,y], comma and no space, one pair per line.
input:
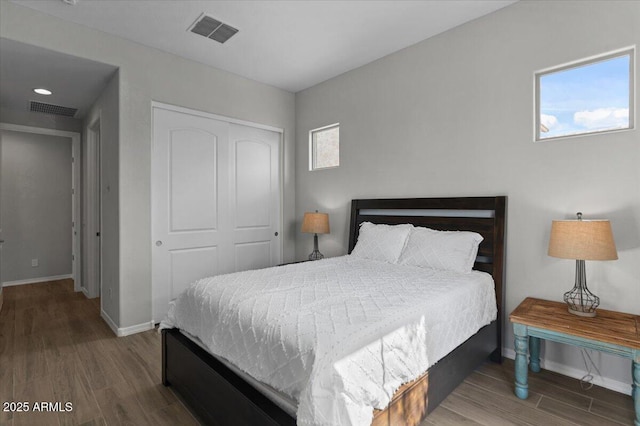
[582,313]
[580,301]
[316,255]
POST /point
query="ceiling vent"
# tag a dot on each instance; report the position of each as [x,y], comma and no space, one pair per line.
[209,27]
[52,109]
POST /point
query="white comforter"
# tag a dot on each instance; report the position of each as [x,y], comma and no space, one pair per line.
[338,335]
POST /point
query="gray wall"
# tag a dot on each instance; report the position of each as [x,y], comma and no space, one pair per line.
[36,205]
[453,116]
[145,75]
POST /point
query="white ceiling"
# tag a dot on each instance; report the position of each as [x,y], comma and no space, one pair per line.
[75,82]
[288,44]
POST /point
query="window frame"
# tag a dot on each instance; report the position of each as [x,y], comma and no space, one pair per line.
[313,147]
[626,51]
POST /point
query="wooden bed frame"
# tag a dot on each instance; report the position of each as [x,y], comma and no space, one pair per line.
[218,396]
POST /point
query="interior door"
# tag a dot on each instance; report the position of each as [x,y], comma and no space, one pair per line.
[186,216]
[254,201]
[92,254]
[215,201]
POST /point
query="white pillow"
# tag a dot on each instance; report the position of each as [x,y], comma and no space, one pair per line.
[442,250]
[381,242]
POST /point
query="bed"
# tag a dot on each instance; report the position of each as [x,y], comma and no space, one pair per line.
[220,394]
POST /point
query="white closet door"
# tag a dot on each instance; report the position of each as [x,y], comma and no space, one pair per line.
[186,216]
[215,201]
[254,200]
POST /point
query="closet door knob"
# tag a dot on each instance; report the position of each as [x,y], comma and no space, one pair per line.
[158,243]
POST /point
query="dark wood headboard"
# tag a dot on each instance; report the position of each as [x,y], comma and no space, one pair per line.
[484,215]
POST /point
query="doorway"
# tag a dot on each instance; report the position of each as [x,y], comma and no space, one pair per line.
[74,164]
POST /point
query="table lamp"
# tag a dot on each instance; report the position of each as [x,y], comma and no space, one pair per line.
[315,223]
[582,240]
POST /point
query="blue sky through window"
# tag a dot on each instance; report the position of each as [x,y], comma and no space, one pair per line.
[589,98]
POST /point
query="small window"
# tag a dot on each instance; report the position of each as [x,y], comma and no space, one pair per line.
[589,96]
[324,147]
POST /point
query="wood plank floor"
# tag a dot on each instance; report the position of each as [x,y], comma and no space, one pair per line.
[55,348]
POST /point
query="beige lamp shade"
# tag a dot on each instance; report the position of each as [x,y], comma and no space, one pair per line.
[582,240]
[315,223]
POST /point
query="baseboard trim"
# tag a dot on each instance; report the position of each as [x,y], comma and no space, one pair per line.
[138,328]
[126,331]
[85,292]
[575,373]
[112,325]
[36,280]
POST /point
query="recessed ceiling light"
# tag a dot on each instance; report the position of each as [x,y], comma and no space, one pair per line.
[42,91]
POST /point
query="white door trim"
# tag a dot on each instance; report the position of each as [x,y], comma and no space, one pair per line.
[76,263]
[190,111]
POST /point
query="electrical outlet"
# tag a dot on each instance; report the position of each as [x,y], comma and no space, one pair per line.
[34,263]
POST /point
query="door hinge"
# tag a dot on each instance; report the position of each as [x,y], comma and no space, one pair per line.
[73,191]
[73,160]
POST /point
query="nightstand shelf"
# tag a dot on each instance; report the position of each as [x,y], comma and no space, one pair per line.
[611,332]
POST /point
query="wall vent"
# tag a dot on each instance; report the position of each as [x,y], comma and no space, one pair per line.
[209,27]
[36,106]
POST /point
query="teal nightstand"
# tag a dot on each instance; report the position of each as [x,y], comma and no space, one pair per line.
[611,332]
